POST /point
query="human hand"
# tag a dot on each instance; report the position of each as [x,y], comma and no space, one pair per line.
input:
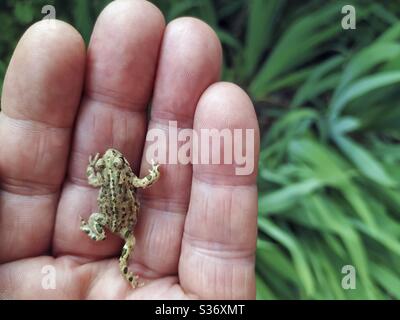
[197,226]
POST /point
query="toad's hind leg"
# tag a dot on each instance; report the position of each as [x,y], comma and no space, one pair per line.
[94,228]
[124,258]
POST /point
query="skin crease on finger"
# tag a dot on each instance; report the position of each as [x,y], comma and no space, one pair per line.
[209,267]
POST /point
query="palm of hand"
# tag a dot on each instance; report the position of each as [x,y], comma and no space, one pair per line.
[197,227]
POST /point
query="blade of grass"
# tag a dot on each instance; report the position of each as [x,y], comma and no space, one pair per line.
[300,263]
[364,161]
[286,56]
[313,86]
[361,87]
[262,18]
[364,61]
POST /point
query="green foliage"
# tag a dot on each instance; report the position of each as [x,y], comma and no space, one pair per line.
[327,102]
[325,183]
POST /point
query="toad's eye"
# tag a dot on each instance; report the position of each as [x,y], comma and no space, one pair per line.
[100,165]
[118,163]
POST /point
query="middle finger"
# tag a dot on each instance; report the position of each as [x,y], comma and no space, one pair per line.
[122,59]
[190,61]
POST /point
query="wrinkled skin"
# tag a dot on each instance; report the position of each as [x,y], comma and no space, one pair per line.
[197,226]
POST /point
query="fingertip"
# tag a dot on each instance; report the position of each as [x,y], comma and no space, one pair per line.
[55,40]
[139,12]
[46,72]
[50,30]
[190,60]
[127,36]
[198,31]
[224,106]
[193,36]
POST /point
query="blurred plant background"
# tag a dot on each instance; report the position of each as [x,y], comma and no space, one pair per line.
[327,102]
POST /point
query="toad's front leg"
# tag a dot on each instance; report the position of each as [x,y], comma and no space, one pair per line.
[94,177]
[148,180]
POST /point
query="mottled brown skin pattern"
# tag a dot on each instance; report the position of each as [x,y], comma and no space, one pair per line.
[117,202]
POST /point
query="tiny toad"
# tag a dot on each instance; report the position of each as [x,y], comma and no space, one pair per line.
[117,202]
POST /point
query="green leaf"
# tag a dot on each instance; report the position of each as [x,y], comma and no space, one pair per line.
[388,279]
[291,80]
[260,27]
[290,120]
[326,164]
[287,197]
[299,44]
[271,256]
[386,15]
[364,161]
[316,83]
[229,40]
[361,87]
[345,125]
[364,61]
[391,34]
[302,268]
[263,291]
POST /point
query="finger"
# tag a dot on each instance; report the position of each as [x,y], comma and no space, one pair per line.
[190,61]
[217,258]
[122,58]
[40,97]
